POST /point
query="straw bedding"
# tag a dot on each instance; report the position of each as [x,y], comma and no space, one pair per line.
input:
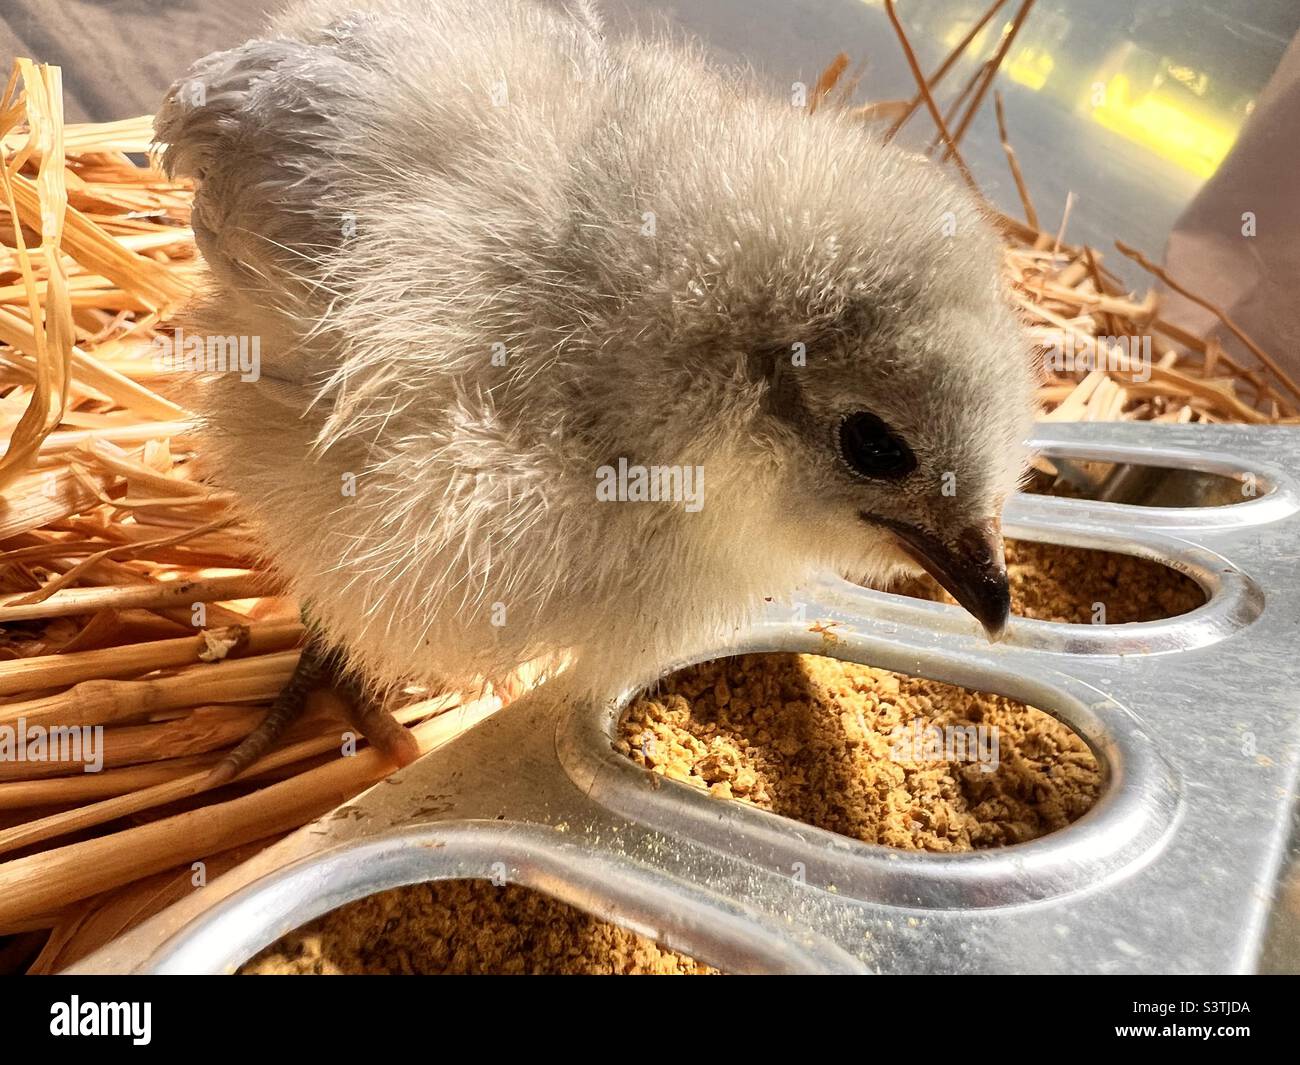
[131,596]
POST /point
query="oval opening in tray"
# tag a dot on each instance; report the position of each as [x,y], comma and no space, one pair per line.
[880,757]
[1141,485]
[606,887]
[466,927]
[1137,804]
[1082,586]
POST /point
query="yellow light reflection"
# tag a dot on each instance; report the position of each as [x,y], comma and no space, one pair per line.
[1174,120]
[1190,137]
[1029,66]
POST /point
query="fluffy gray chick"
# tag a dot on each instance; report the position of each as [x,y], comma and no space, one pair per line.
[490,252]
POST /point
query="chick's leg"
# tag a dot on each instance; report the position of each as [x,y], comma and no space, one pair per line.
[313,669]
[319,666]
[368,714]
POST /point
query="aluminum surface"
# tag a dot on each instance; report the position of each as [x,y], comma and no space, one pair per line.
[1186,865]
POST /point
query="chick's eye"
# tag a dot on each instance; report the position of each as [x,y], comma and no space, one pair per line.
[872,449]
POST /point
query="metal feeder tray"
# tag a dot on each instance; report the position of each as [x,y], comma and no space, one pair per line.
[1183,865]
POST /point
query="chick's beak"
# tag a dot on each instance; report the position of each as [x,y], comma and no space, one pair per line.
[970,566]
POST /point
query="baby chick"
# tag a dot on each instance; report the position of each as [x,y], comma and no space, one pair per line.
[581,345]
